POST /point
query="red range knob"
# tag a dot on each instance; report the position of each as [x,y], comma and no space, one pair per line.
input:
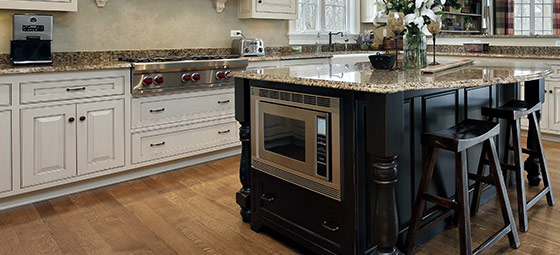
[148,80]
[227,74]
[186,77]
[220,75]
[158,80]
[196,76]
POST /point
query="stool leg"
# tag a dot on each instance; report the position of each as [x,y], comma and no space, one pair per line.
[502,193]
[475,203]
[542,159]
[419,203]
[519,179]
[462,196]
[507,150]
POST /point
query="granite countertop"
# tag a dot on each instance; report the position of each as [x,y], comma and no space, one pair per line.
[493,55]
[62,67]
[362,77]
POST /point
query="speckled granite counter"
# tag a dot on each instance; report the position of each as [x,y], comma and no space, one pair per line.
[62,67]
[361,77]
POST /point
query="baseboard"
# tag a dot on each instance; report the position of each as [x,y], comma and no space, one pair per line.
[63,190]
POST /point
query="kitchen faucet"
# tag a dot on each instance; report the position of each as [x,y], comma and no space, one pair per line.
[331,45]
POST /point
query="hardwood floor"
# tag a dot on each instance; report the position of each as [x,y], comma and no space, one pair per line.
[193,211]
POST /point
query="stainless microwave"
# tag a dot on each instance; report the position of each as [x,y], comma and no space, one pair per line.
[296,137]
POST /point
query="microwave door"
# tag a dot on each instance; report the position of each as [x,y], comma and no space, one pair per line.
[287,137]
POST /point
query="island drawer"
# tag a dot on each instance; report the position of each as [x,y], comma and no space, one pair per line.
[277,200]
[5,94]
[49,89]
[149,111]
[184,140]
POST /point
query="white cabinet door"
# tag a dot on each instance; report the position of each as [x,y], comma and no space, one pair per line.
[553,102]
[5,151]
[303,62]
[277,6]
[48,147]
[42,5]
[100,136]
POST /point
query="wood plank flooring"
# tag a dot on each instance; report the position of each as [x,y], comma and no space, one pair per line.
[193,211]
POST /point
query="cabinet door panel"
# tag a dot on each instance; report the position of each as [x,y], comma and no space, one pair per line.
[100,136]
[43,5]
[277,6]
[48,144]
[553,102]
[5,151]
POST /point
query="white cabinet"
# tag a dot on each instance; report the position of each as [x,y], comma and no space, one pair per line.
[48,136]
[268,9]
[63,141]
[100,136]
[553,97]
[5,151]
[286,63]
[367,11]
[40,5]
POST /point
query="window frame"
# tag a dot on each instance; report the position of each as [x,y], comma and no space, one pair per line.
[532,17]
[352,27]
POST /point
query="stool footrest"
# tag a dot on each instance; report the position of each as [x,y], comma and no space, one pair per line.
[484,179]
[492,240]
[502,165]
[529,151]
[430,223]
[443,202]
[538,197]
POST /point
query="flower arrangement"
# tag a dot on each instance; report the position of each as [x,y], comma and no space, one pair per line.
[418,12]
[365,40]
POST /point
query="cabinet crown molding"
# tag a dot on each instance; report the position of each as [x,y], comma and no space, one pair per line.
[220,5]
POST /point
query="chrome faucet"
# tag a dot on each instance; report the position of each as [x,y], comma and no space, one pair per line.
[331,45]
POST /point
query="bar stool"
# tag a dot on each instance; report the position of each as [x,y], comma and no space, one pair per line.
[512,111]
[458,139]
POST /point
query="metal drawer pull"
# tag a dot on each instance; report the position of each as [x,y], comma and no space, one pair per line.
[224,132]
[157,110]
[75,89]
[330,226]
[157,144]
[223,102]
[267,197]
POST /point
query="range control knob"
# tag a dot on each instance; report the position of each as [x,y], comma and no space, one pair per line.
[158,80]
[220,75]
[186,77]
[195,76]
[148,80]
[227,74]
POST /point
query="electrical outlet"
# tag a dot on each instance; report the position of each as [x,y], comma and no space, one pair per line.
[235,33]
[557,43]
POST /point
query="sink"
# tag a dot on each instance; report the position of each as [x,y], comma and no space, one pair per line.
[350,58]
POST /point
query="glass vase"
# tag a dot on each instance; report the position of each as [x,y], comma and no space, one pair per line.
[415,49]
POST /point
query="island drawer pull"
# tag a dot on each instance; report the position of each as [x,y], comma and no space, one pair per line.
[330,226]
[75,89]
[224,132]
[267,197]
[157,110]
[223,102]
[157,144]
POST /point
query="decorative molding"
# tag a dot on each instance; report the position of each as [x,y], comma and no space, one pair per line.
[101,3]
[220,5]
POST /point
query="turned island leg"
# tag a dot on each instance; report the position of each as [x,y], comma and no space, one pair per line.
[242,115]
[534,91]
[384,131]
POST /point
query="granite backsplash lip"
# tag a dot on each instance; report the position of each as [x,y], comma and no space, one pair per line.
[361,77]
[63,67]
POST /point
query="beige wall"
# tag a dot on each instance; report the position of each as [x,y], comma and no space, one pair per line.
[150,24]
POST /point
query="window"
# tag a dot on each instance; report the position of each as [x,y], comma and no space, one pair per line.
[324,16]
[532,17]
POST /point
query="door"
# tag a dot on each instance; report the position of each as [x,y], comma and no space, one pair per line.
[5,151]
[552,105]
[48,136]
[276,6]
[100,136]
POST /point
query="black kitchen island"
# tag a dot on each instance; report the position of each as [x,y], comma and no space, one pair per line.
[362,202]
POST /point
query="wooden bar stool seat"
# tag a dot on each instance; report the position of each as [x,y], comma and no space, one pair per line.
[513,111]
[458,139]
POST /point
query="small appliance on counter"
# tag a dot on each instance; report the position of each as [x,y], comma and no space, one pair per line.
[31,39]
[247,47]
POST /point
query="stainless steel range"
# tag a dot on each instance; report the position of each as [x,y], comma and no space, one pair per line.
[180,73]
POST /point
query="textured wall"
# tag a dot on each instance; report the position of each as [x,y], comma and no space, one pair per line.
[150,24]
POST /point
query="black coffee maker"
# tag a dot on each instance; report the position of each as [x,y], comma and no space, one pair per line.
[31,39]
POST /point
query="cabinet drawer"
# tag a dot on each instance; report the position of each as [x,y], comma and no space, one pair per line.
[321,216]
[188,140]
[5,94]
[176,108]
[51,90]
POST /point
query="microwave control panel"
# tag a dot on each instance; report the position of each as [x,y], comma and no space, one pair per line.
[322,147]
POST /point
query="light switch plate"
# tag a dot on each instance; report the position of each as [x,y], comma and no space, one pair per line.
[557,43]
